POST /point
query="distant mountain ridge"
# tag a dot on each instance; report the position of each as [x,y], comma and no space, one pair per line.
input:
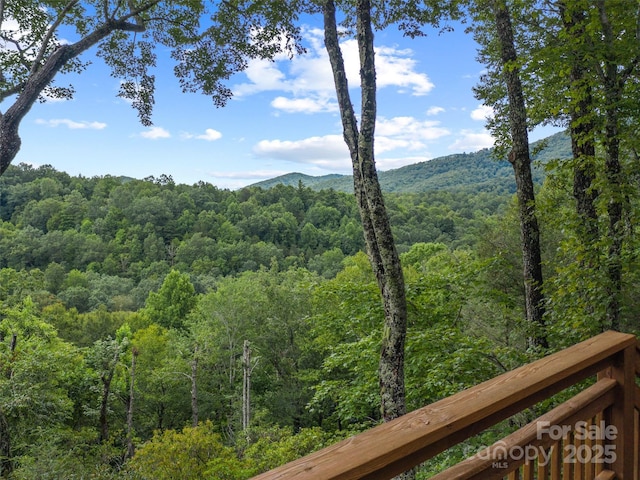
[478,171]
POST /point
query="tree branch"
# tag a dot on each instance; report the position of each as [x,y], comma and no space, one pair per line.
[135,14]
[20,51]
[2,8]
[11,91]
[49,35]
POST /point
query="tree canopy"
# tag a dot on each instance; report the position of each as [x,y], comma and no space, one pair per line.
[209,41]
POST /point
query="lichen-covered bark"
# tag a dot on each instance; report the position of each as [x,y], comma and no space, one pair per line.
[381,248]
[521,161]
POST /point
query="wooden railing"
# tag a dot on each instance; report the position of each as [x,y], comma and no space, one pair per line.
[592,436]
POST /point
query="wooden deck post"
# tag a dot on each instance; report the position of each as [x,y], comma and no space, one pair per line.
[621,414]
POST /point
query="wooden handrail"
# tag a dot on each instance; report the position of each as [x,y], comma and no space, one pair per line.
[398,445]
[584,405]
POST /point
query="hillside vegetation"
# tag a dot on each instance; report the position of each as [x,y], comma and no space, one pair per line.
[127,296]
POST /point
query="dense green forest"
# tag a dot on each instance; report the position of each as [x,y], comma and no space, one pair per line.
[126,306]
[154,330]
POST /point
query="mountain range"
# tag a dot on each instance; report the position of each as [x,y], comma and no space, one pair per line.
[480,171]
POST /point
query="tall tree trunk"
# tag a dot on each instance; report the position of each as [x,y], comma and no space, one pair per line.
[132,378]
[381,249]
[106,379]
[521,161]
[246,388]
[613,84]
[583,147]
[194,388]
[582,126]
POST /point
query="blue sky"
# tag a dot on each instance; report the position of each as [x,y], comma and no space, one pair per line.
[283,117]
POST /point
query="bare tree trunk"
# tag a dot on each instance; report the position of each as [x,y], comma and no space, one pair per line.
[194,388]
[106,379]
[132,377]
[381,248]
[246,388]
[521,161]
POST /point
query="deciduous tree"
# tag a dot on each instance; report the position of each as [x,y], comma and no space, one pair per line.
[503,90]
[208,40]
[377,229]
[170,306]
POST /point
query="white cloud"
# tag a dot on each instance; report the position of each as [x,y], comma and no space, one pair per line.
[396,68]
[11,30]
[210,135]
[409,128]
[470,141]
[328,151]
[154,133]
[304,105]
[434,110]
[72,124]
[309,81]
[22,35]
[482,112]
[263,75]
[388,144]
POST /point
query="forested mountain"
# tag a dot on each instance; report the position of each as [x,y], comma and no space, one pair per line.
[138,230]
[95,269]
[97,272]
[469,172]
[157,331]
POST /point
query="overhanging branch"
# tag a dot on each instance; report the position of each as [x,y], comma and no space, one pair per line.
[50,33]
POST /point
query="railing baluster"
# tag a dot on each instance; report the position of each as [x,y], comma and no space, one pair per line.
[578,468]
[622,412]
[600,442]
[590,452]
[637,438]
[543,467]
[567,467]
[556,461]
[528,470]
